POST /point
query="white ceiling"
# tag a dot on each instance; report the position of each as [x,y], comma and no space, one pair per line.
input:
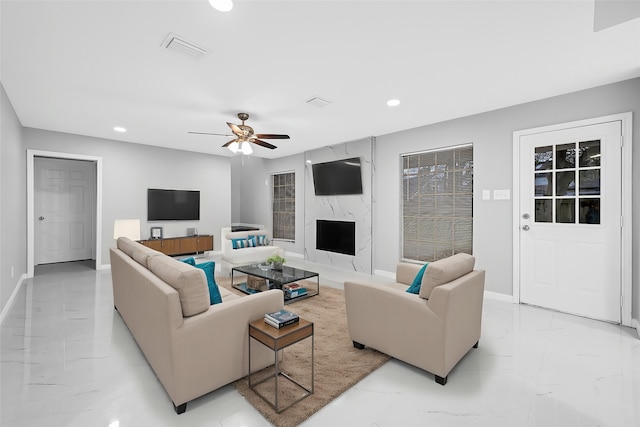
[84,67]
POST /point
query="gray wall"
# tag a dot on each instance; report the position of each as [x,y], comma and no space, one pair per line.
[492,136]
[129,169]
[251,196]
[13,206]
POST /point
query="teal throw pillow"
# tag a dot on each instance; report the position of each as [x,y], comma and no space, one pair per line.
[238,243]
[251,242]
[417,281]
[260,239]
[214,293]
[190,261]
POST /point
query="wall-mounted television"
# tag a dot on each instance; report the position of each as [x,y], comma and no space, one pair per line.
[337,178]
[173,205]
[336,236]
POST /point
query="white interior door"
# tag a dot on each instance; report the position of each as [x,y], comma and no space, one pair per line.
[570,220]
[63,208]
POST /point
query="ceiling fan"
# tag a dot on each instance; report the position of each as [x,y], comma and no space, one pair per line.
[244,135]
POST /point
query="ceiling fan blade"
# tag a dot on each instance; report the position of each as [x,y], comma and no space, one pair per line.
[263,143]
[209,133]
[271,136]
[234,128]
[230,142]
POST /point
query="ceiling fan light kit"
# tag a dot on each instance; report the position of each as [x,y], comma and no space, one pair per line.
[245,136]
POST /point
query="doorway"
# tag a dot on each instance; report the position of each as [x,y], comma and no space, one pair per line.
[571,240]
[63,244]
[64,206]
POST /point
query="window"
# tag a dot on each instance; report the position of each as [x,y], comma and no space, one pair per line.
[575,168]
[437,203]
[284,206]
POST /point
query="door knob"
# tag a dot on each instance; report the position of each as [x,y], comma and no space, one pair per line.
[41,218]
[525,227]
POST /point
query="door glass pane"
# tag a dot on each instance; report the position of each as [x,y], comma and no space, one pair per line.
[590,182]
[543,210]
[590,211]
[543,184]
[565,210]
[543,158]
[566,156]
[565,183]
[589,153]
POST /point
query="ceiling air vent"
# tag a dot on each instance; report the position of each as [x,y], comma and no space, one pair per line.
[316,101]
[177,43]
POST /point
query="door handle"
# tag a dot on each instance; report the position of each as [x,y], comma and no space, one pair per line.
[41,218]
[525,227]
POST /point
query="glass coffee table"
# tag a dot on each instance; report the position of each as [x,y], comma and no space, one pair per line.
[289,280]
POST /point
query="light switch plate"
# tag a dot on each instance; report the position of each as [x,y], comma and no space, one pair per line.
[486,194]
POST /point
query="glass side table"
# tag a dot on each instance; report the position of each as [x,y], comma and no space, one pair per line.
[277,340]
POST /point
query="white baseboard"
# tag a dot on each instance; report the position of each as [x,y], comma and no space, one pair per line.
[293,255]
[636,324]
[498,296]
[383,273]
[12,298]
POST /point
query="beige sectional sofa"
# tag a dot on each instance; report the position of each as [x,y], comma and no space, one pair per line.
[193,347]
[248,255]
[432,330]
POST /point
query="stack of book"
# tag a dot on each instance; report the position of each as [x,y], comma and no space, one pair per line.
[293,290]
[281,318]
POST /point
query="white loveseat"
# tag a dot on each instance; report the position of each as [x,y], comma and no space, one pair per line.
[247,255]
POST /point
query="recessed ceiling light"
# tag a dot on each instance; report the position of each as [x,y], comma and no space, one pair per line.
[119,129]
[393,102]
[221,5]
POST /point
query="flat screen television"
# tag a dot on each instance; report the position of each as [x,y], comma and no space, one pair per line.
[337,178]
[336,236]
[173,205]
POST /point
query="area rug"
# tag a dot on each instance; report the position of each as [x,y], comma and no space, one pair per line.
[338,365]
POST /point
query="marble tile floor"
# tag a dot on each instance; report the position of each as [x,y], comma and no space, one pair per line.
[67,359]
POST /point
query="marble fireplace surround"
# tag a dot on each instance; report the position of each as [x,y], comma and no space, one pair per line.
[357,208]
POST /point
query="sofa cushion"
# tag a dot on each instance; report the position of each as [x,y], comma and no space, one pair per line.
[126,245]
[414,288]
[444,271]
[209,269]
[142,254]
[191,283]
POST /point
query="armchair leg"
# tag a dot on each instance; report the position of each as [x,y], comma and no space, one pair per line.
[180,409]
[358,345]
[440,380]
[476,344]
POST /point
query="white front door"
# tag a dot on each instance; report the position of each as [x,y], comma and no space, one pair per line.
[570,220]
[63,208]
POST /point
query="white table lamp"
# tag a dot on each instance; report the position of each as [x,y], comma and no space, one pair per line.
[127,228]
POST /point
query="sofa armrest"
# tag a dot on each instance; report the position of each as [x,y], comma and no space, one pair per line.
[459,303]
[390,320]
[211,349]
[406,272]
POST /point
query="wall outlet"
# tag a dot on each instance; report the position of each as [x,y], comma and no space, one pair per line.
[486,194]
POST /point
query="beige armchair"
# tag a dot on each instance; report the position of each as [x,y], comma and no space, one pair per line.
[431,330]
